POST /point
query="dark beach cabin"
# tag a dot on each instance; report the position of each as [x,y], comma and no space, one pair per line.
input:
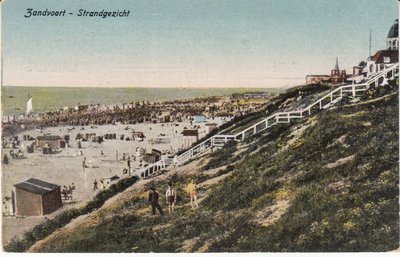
[35,197]
[54,142]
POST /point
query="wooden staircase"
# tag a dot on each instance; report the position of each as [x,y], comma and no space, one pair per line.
[331,98]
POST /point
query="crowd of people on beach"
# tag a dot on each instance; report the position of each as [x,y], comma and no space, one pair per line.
[132,113]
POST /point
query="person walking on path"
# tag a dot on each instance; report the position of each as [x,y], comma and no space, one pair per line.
[175,161]
[84,164]
[95,185]
[153,199]
[191,190]
[128,162]
[170,197]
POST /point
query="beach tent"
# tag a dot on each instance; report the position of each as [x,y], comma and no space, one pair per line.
[29,105]
[189,137]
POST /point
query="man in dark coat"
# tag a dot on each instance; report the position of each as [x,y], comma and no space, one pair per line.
[153,199]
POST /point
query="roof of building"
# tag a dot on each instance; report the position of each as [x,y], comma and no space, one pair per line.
[37,186]
[379,56]
[394,30]
[156,151]
[190,132]
[49,138]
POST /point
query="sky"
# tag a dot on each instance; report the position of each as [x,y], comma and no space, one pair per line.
[183,43]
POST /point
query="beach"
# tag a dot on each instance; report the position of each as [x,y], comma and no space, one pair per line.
[103,160]
[88,148]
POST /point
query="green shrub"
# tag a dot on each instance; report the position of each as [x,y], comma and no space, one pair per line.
[221,156]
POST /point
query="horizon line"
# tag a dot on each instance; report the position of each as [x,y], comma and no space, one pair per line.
[158,87]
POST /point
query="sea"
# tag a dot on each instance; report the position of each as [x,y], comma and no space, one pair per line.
[13,98]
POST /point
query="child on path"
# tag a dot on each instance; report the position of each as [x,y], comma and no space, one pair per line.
[191,190]
[170,198]
[95,185]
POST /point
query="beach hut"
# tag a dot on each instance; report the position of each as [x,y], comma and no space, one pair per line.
[189,137]
[35,197]
[54,142]
[211,127]
[199,118]
[152,157]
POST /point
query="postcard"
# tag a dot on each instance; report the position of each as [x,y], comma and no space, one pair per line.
[199,126]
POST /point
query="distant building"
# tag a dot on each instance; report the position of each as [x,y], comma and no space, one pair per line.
[35,197]
[315,79]
[54,142]
[190,136]
[337,76]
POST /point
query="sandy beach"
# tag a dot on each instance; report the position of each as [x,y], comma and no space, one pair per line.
[66,167]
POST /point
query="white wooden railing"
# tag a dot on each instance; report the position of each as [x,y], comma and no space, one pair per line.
[280,117]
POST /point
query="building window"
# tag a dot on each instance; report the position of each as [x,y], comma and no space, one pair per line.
[371,68]
[386,59]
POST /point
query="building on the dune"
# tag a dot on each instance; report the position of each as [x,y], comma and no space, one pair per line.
[392,40]
[381,58]
[374,64]
[35,197]
[389,55]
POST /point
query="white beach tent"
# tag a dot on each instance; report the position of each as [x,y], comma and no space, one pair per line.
[29,106]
